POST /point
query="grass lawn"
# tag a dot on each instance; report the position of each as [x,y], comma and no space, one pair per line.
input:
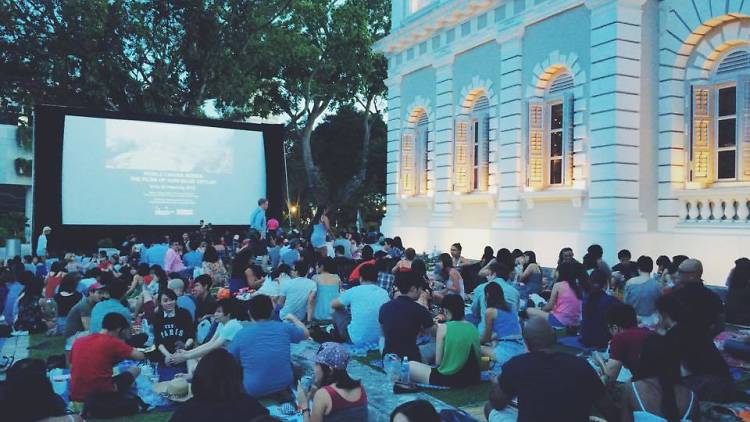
[42,347]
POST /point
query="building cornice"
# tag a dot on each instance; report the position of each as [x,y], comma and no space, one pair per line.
[438,18]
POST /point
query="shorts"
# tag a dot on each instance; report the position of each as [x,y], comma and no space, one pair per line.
[468,375]
[554,322]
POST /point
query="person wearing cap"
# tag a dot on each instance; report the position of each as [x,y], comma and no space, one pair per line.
[79,317]
[402,319]
[41,243]
[183,301]
[335,394]
[704,310]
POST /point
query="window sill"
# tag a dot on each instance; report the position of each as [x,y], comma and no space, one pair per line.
[575,196]
[693,190]
[461,199]
[416,201]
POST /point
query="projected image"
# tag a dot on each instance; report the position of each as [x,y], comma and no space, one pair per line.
[137,146]
[130,172]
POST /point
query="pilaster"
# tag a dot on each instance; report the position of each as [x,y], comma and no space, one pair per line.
[444,111]
[393,147]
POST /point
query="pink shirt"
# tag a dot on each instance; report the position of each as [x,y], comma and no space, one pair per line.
[567,307]
[173,262]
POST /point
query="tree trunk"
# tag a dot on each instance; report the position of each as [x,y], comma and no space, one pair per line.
[314,182]
[359,177]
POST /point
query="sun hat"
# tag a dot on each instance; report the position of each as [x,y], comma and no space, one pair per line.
[332,355]
[177,389]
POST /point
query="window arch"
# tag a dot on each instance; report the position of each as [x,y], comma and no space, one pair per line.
[720,122]
[550,134]
[471,155]
[416,143]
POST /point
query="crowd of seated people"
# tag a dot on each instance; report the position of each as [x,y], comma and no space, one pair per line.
[200,306]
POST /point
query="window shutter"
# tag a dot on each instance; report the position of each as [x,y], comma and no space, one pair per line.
[701,151]
[568,124]
[743,83]
[535,165]
[461,156]
[484,152]
[408,173]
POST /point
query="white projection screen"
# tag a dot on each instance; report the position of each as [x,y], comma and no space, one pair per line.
[133,172]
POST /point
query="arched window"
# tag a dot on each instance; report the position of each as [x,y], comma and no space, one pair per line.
[550,135]
[415,156]
[720,126]
[472,148]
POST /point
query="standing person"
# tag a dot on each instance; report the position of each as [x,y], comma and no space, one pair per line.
[457,351]
[258,220]
[263,349]
[658,393]
[339,397]
[359,324]
[549,385]
[320,228]
[402,319]
[41,243]
[93,357]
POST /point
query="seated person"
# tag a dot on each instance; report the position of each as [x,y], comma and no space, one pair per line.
[457,350]
[27,394]
[173,328]
[549,385]
[67,297]
[328,288]
[703,368]
[499,274]
[402,319]
[262,348]
[297,296]
[359,324]
[117,289]
[564,306]
[93,357]
[30,316]
[205,303]
[336,396]
[79,318]
[626,267]
[658,394]
[415,411]
[183,301]
[501,330]
[738,294]
[218,395]
[642,291]
[627,342]
[228,315]
[594,331]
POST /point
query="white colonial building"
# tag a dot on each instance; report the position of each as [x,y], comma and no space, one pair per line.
[540,124]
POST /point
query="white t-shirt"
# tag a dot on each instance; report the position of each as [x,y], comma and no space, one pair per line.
[228,330]
[365,302]
[296,291]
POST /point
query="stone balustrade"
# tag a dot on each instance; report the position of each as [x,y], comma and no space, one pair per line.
[722,206]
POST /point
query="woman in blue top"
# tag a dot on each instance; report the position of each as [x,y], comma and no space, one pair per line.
[502,329]
[329,287]
[320,227]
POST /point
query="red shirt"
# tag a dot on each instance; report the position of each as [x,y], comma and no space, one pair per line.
[354,276]
[91,362]
[626,347]
[52,283]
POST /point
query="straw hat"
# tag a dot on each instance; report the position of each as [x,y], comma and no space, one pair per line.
[176,390]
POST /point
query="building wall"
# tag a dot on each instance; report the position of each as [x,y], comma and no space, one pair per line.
[636,176]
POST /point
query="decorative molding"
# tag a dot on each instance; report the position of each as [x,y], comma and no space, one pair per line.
[475,88]
[416,108]
[554,64]
[461,199]
[575,196]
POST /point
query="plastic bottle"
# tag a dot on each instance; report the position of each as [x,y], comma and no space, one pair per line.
[146,328]
[405,370]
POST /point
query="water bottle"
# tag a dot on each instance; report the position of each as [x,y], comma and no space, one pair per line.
[405,370]
[150,332]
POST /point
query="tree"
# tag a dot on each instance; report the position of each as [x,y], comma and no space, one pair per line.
[156,56]
[323,53]
[337,153]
